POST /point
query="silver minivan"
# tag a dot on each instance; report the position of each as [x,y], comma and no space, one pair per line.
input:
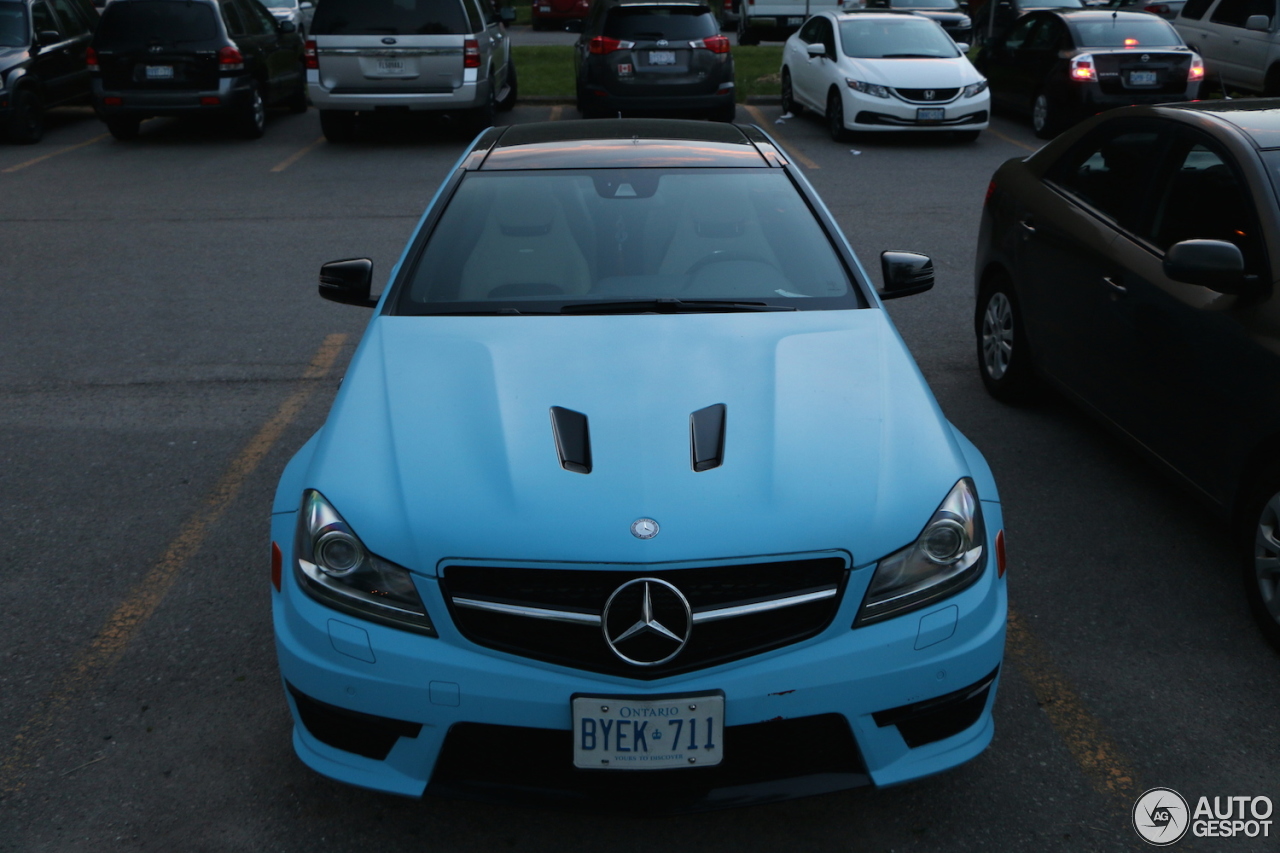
[387,56]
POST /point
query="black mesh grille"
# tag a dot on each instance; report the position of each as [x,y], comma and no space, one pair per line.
[928,96]
[586,591]
[762,761]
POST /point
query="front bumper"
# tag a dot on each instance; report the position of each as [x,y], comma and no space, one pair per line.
[232,95]
[868,113]
[455,718]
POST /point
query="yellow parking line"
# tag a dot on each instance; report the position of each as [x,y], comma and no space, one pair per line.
[556,112]
[296,156]
[764,122]
[44,157]
[109,645]
[998,135]
[1098,757]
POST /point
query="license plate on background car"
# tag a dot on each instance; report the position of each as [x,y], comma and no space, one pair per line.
[159,72]
[624,733]
[794,22]
[930,114]
[1142,78]
[390,66]
[662,57]
[544,9]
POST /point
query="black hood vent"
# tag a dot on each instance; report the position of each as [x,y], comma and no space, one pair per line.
[573,440]
[706,437]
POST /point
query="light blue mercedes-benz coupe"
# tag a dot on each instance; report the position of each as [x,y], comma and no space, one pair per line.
[633,496]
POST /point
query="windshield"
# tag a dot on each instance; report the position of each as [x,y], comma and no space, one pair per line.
[1122,32]
[908,37]
[922,4]
[389,17]
[13,24]
[282,4]
[537,242]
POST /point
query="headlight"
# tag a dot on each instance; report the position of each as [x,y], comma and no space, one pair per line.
[947,557]
[333,566]
[867,88]
[975,88]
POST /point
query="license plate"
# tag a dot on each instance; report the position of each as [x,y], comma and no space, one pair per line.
[1142,78]
[544,9]
[391,66]
[794,22]
[159,72]
[662,57]
[930,114]
[628,733]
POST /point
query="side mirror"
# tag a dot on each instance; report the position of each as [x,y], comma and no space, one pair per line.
[962,46]
[46,37]
[1261,23]
[816,50]
[306,4]
[348,282]
[905,274]
[287,27]
[1215,264]
[508,15]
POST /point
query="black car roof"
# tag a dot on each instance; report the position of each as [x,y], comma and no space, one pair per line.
[1258,118]
[623,143]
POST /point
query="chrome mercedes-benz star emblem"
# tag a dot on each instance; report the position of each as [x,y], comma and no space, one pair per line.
[662,629]
[644,528]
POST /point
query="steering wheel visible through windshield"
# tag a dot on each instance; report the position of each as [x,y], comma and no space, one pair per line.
[543,241]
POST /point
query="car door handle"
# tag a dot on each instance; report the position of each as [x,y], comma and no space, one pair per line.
[1027,226]
[1116,287]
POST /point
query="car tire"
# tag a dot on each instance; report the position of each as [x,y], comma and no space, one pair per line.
[1271,84]
[26,126]
[789,103]
[123,129]
[338,126]
[835,117]
[297,102]
[482,117]
[509,102]
[1259,548]
[1004,359]
[1045,117]
[253,117]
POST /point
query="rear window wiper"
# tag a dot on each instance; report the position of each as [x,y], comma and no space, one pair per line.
[670,306]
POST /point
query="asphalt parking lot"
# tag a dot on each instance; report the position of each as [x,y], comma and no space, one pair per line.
[164,353]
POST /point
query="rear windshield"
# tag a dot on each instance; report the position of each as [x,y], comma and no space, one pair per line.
[1120,32]
[908,37]
[680,23]
[136,23]
[914,4]
[1053,4]
[538,241]
[389,17]
[13,24]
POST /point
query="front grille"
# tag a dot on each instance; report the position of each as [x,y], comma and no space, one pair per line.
[762,761]
[573,635]
[927,96]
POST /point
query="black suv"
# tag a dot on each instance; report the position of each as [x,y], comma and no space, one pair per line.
[194,57]
[43,46]
[648,55]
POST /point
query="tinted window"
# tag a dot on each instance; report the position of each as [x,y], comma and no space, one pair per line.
[258,20]
[1018,35]
[810,32]
[1108,172]
[1046,37]
[659,22]
[13,24]
[73,22]
[1195,9]
[1234,13]
[1126,33]
[389,17]
[887,38]
[546,238]
[136,23]
[235,21]
[43,18]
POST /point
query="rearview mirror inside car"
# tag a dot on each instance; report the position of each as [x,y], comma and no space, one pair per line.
[1215,264]
[348,282]
[905,274]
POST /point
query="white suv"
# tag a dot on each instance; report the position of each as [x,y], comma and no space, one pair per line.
[367,56]
[1238,39]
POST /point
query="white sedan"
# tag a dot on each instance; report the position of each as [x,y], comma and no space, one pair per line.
[890,71]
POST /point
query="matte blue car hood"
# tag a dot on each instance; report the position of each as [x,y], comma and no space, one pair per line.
[440,443]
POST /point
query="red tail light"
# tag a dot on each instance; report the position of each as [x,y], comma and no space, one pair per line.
[230,59]
[602,44]
[1082,69]
[309,55]
[277,565]
[991,188]
[728,5]
[91,59]
[715,44]
[1196,72]
[1000,563]
[471,54]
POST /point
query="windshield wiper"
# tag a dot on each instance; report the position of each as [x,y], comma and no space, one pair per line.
[671,306]
[486,312]
[912,56]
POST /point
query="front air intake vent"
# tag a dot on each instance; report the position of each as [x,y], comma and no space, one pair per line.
[706,437]
[573,440]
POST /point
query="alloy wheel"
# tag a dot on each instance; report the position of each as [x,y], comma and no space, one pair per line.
[997,336]
[1266,556]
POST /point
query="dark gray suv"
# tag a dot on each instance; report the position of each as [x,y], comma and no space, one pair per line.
[43,49]
[653,55]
